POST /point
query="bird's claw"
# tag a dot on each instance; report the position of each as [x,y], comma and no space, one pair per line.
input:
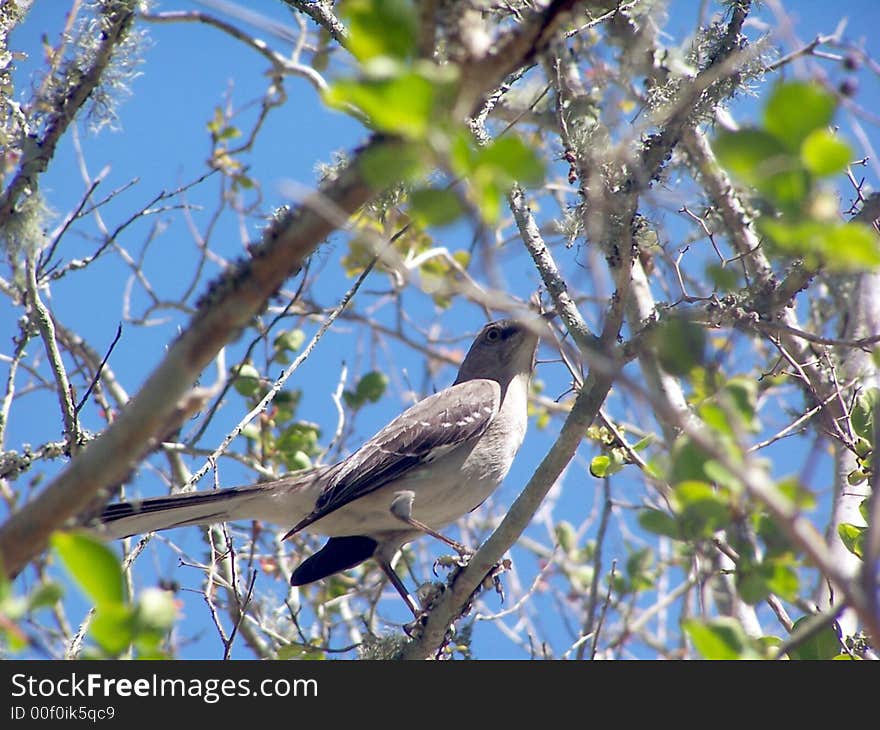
[493,577]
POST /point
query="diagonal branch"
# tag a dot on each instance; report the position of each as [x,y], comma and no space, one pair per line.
[227,308]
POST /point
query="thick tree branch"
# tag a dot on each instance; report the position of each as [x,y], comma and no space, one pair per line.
[223,312]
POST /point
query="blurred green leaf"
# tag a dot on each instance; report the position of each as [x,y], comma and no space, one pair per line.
[800,496]
[370,388]
[291,340]
[688,462]
[566,536]
[775,540]
[700,509]
[659,523]
[297,443]
[797,108]
[386,165]
[433,207]
[639,565]
[401,104]
[680,345]
[720,638]
[247,380]
[756,581]
[719,474]
[743,394]
[851,246]
[824,644]
[45,594]
[844,246]
[92,565]
[112,628]
[298,651]
[824,154]
[492,170]
[509,159]
[297,460]
[724,279]
[751,155]
[381,28]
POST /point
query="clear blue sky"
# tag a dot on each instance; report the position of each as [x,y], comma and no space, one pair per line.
[161,141]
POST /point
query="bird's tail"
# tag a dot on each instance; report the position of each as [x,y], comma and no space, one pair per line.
[284,502]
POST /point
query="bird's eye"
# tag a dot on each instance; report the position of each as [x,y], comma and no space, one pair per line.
[493,334]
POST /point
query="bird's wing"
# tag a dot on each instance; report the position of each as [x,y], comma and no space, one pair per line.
[419,435]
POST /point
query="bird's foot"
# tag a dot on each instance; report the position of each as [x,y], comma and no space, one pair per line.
[493,577]
[427,595]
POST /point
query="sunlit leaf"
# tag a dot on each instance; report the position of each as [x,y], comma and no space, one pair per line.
[92,565]
[823,153]
[797,108]
[720,638]
[380,28]
[822,644]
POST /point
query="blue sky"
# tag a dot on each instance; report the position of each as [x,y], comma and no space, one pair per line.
[161,142]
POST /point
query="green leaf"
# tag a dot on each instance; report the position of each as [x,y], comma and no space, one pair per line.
[800,496]
[46,594]
[680,345]
[387,164]
[824,644]
[824,154]
[298,437]
[720,638]
[688,462]
[112,628]
[659,523]
[853,538]
[491,170]
[599,466]
[92,565]
[381,28]
[290,341]
[297,460]
[435,207]
[247,380]
[724,279]
[864,411]
[851,246]
[719,474]
[701,510]
[797,108]
[760,160]
[371,387]
[774,575]
[402,104]
[751,155]
[742,392]
[566,536]
[298,651]
[511,160]
[638,570]
[775,540]
[863,509]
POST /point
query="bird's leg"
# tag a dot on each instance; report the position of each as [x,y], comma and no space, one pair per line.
[401,508]
[401,589]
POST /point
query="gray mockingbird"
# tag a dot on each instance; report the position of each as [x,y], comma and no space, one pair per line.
[438,460]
